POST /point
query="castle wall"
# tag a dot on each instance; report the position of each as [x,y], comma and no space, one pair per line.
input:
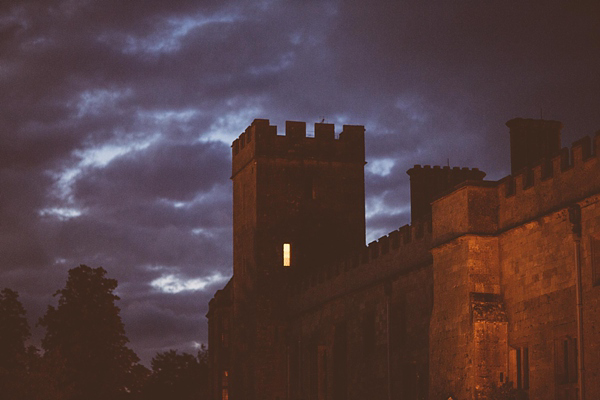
[463,267]
[539,292]
[385,340]
[220,323]
[396,253]
[482,295]
[590,260]
[511,244]
[537,253]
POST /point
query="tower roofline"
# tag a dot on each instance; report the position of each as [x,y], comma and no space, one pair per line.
[260,139]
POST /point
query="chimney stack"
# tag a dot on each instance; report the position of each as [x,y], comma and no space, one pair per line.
[532,140]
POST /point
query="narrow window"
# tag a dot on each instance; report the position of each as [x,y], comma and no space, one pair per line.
[287,255]
[565,377]
[369,332]
[310,191]
[519,370]
[519,367]
[595,256]
[225,378]
[322,372]
[225,385]
[565,362]
[525,357]
[340,361]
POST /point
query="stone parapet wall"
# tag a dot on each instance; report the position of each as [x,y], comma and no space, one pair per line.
[397,253]
[261,140]
[487,207]
[552,184]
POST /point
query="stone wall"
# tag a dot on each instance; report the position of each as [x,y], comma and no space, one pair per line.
[482,295]
[513,241]
[385,324]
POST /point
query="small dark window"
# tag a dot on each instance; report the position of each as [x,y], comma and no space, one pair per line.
[565,365]
[369,332]
[595,257]
[519,367]
[310,191]
[566,360]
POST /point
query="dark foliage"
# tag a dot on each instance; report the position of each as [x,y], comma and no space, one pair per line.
[86,337]
[23,373]
[86,356]
[178,376]
[14,331]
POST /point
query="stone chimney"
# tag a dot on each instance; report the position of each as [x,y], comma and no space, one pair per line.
[532,140]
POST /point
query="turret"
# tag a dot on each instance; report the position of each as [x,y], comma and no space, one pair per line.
[427,183]
[298,204]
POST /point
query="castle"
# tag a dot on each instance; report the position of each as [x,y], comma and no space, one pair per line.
[494,282]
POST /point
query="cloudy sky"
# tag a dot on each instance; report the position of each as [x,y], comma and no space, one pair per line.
[116,119]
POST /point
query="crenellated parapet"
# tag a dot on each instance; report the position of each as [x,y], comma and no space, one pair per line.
[397,253]
[260,139]
[551,184]
[488,207]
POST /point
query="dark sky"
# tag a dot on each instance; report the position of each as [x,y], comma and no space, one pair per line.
[116,119]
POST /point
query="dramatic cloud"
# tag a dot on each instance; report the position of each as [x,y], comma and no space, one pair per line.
[116,119]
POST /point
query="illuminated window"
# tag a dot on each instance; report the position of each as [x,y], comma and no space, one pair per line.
[287,255]
[225,386]
[225,378]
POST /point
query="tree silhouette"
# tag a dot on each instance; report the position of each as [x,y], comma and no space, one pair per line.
[178,376]
[14,330]
[85,332]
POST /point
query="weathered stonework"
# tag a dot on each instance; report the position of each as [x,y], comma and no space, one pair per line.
[479,292]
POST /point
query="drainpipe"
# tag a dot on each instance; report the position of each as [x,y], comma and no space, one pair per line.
[388,293]
[575,220]
[287,348]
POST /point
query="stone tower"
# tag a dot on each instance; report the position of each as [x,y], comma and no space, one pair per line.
[427,183]
[298,203]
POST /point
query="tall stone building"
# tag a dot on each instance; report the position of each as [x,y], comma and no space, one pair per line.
[494,283]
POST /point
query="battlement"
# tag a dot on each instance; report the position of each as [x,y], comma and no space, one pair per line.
[417,168]
[552,183]
[398,252]
[492,207]
[260,139]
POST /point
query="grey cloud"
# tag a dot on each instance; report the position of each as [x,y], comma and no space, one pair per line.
[173,171]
